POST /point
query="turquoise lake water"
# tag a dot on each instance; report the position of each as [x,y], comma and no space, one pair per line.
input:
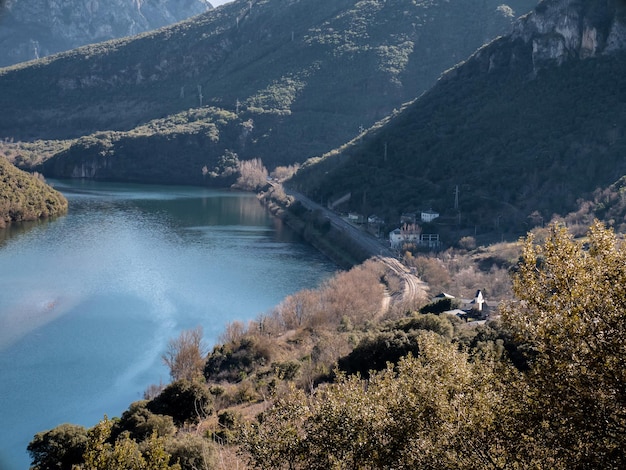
[88,301]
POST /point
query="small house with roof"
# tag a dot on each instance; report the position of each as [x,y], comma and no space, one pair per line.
[431,240]
[356,218]
[468,308]
[375,220]
[429,215]
[475,307]
[398,237]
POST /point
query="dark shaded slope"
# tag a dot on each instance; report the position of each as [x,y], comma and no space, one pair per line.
[513,133]
[301,78]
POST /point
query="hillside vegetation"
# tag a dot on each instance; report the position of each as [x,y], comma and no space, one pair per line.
[332,379]
[286,79]
[26,197]
[352,375]
[502,142]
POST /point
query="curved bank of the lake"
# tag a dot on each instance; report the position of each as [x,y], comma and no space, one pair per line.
[89,300]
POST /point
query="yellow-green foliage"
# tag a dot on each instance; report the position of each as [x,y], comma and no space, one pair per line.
[124,453]
[432,411]
[26,197]
[452,407]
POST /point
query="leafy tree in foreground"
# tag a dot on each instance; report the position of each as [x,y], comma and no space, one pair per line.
[59,448]
[434,411]
[449,409]
[124,453]
[375,352]
[140,423]
[573,315]
[184,401]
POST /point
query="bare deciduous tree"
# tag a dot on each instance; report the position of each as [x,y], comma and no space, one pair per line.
[253,175]
[234,332]
[185,355]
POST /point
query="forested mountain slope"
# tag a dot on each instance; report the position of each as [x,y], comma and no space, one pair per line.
[282,80]
[33,29]
[520,131]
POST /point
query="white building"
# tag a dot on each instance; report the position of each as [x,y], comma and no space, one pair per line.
[429,215]
[399,237]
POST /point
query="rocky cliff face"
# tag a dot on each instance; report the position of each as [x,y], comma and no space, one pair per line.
[33,29]
[559,30]
[556,31]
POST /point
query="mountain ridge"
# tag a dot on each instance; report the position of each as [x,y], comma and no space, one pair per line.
[30,30]
[513,135]
[290,79]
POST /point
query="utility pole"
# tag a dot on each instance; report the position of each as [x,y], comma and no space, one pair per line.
[200,97]
[456,197]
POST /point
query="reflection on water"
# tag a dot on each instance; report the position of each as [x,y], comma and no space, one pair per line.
[18,228]
[88,301]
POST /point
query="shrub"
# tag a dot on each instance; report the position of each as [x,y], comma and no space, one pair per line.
[428,322]
[440,306]
[374,352]
[233,360]
[286,370]
[59,448]
[184,401]
[191,452]
[141,423]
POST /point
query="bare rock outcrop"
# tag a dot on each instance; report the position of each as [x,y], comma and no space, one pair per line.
[560,30]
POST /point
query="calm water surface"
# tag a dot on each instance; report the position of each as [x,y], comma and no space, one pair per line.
[89,301]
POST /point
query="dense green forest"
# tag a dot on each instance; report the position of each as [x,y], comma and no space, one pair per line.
[508,144]
[326,381]
[26,197]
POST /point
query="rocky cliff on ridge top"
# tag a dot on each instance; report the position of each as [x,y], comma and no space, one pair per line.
[555,32]
[559,30]
[33,29]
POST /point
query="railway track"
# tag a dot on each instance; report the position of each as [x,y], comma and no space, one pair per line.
[412,289]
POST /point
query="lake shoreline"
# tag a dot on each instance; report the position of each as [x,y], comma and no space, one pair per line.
[334,244]
[125,270]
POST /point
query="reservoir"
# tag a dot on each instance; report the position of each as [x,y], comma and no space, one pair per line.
[89,301]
